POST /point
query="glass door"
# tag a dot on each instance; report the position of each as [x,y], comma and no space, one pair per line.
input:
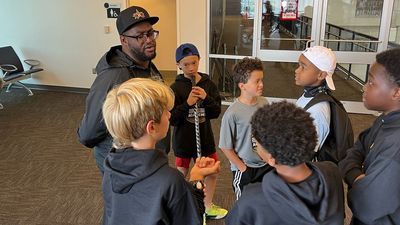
[231,37]
[354,29]
[361,30]
[286,27]
[277,31]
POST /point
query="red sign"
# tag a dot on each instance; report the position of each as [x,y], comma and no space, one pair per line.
[289,9]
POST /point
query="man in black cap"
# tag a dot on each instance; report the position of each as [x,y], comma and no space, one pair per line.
[129,60]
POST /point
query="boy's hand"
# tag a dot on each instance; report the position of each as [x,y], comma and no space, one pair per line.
[199,92]
[243,168]
[204,166]
[192,98]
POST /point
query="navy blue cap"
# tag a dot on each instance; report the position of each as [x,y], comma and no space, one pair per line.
[185,50]
[132,16]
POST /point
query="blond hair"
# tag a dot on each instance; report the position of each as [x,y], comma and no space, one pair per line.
[129,107]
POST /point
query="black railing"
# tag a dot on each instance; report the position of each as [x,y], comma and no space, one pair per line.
[334,32]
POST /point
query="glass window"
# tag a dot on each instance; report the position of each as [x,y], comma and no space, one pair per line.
[221,75]
[279,32]
[394,37]
[231,27]
[279,80]
[357,71]
[359,20]
[247,8]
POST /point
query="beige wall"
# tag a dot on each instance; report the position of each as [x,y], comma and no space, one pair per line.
[66,36]
[192,26]
[166,43]
[181,21]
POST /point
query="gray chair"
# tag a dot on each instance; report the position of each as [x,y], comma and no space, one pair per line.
[13,71]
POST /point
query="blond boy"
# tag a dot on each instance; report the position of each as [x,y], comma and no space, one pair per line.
[138,185]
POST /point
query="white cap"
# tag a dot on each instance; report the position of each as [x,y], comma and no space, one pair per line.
[324,59]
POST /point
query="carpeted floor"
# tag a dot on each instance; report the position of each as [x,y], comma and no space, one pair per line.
[47,177]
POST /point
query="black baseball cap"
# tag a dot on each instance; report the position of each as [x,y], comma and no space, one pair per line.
[132,16]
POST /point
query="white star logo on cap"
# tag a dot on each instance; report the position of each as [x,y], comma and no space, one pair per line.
[138,15]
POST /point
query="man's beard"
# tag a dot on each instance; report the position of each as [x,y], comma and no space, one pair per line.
[140,55]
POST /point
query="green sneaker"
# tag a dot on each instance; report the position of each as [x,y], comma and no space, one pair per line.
[216,212]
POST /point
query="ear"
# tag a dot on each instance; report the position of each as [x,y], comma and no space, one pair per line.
[241,85]
[177,64]
[322,75]
[396,94]
[265,155]
[151,127]
[123,40]
[271,160]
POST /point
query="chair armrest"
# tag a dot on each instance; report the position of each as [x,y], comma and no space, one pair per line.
[8,68]
[32,62]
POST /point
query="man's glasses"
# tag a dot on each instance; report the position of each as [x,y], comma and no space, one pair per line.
[153,34]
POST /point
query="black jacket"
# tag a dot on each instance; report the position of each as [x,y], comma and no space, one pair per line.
[140,188]
[375,199]
[114,68]
[318,200]
[184,138]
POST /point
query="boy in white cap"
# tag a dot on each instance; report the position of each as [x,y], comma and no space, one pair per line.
[316,67]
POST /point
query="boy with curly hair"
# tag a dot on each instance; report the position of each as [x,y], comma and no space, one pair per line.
[236,141]
[372,166]
[296,191]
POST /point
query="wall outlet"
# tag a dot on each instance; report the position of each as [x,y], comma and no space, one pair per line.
[106,29]
[93,70]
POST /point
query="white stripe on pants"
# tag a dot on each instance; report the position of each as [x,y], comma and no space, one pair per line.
[236,182]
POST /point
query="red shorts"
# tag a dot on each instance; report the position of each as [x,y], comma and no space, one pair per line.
[185,162]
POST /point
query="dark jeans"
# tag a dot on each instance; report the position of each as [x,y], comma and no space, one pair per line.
[101,150]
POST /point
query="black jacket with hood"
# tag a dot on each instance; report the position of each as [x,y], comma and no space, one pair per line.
[184,138]
[318,200]
[375,199]
[114,68]
[140,188]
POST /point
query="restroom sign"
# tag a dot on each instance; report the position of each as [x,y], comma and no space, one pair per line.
[113,10]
